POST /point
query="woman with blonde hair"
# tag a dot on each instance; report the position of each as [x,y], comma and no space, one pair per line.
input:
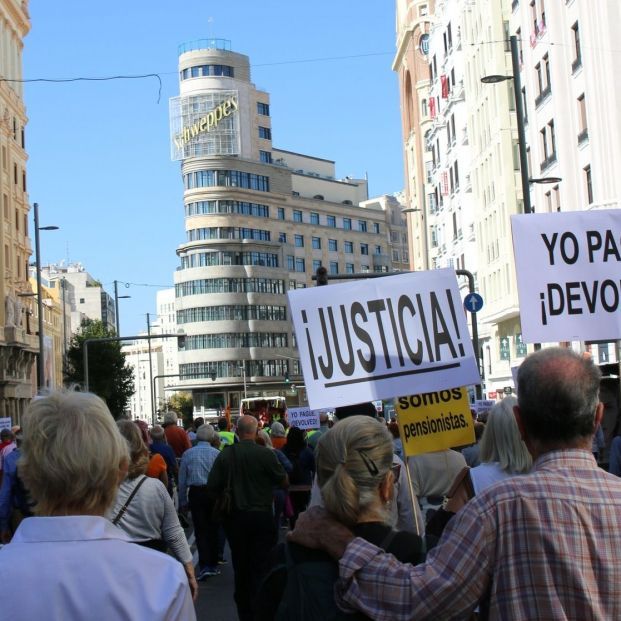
[355,476]
[73,458]
[144,509]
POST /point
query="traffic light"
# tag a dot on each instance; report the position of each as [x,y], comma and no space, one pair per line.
[181,341]
[287,380]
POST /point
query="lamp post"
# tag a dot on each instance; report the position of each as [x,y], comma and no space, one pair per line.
[519,112]
[118,297]
[37,228]
[242,366]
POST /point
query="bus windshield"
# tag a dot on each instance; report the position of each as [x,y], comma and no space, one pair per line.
[264,409]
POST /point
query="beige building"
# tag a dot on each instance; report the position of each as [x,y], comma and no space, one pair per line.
[18,340]
[411,62]
[259,221]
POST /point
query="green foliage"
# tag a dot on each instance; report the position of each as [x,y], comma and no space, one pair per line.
[108,373]
[182,404]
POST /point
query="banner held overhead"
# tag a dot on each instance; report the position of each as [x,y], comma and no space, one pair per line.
[383,337]
[568,275]
[435,421]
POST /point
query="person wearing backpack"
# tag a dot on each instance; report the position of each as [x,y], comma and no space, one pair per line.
[354,471]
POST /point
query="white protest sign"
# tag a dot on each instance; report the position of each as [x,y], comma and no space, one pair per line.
[5,423]
[568,272]
[380,338]
[304,418]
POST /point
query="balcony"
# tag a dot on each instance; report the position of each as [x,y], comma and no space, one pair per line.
[583,136]
[577,64]
[543,96]
[381,260]
[514,5]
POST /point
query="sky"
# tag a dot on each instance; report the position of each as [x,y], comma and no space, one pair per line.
[99,156]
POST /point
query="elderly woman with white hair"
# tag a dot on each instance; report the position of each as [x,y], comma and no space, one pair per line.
[73,458]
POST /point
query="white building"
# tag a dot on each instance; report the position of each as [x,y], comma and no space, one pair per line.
[571,85]
[144,368]
[259,221]
[86,295]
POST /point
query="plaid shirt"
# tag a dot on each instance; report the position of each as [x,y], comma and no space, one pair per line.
[195,467]
[541,546]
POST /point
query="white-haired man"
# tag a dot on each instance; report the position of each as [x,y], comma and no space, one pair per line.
[194,470]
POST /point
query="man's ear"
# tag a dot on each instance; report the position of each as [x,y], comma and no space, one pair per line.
[520,423]
[599,414]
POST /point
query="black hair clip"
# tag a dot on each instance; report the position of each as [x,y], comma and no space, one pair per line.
[369,463]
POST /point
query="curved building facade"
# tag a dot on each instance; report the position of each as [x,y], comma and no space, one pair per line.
[258,222]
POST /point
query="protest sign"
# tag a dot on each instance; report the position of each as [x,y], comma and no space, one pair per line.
[304,418]
[434,421]
[568,275]
[382,337]
[5,423]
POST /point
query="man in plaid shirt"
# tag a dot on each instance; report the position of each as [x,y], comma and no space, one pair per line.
[540,546]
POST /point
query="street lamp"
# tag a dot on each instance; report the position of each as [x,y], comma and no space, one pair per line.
[519,112]
[118,297]
[242,366]
[37,228]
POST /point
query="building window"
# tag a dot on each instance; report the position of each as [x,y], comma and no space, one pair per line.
[376,228]
[81,300]
[364,268]
[226,178]
[263,108]
[291,263]
[297,215]
[281,213]
[577,63]
[349,268]
[316,264]
[316,243]
[395,256]
[314,217]
[299,241]
[331,221]
[300,265]
[265,157]
[583,133]
[334,267]
[347,224]
[364,248]
[362,226]
[588,183]
[282,238]
[378,250]
[332,245]
[349,247]
[557,198]
[265,133]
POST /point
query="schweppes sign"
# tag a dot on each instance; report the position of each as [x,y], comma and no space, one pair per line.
[206,123]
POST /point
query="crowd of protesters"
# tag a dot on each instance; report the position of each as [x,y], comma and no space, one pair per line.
[523,524]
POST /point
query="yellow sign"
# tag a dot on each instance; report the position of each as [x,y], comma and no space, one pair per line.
[206,123]
[434,421]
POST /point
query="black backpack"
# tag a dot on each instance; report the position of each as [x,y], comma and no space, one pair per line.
[309,590]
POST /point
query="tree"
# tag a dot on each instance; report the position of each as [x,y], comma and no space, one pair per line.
[182,404]
[109,376]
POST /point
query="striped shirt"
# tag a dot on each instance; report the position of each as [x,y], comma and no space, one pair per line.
[195,467]
[540,546]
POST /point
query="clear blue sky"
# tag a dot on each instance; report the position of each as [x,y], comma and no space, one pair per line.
[99,152]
